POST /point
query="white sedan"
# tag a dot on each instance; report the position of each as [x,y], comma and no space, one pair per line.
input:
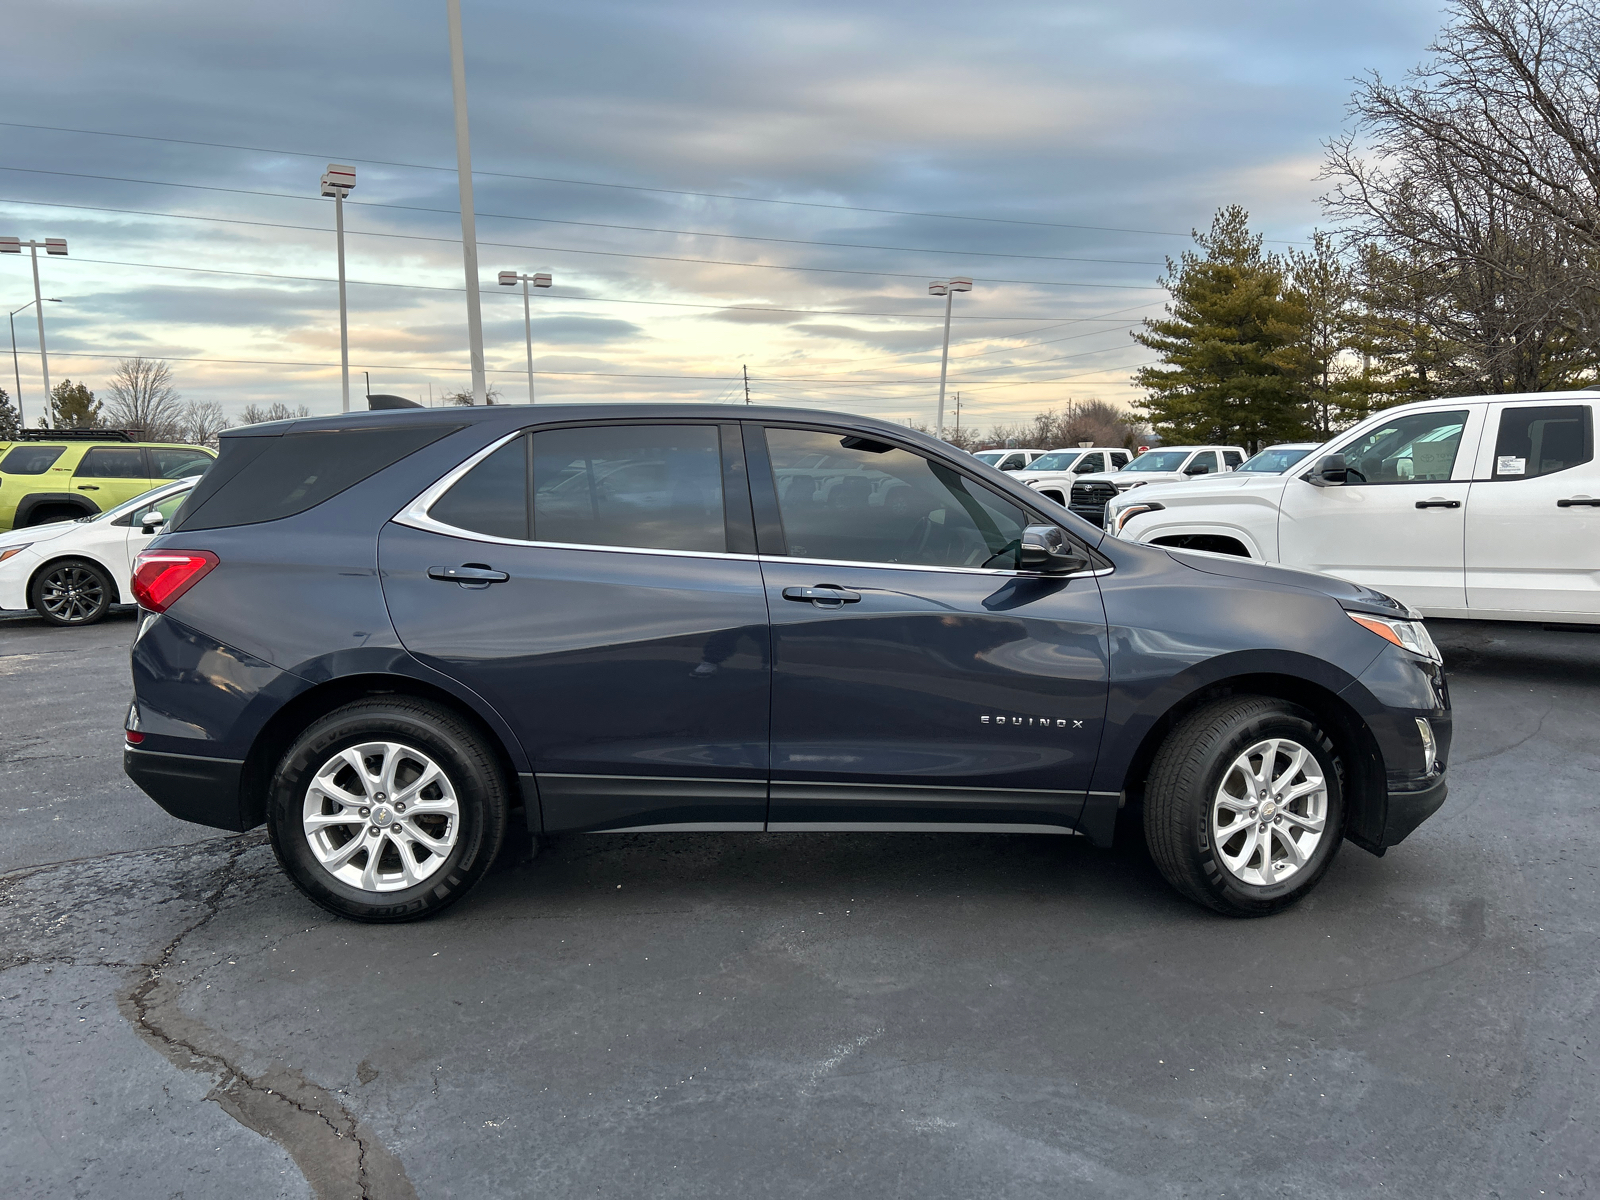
[72,572]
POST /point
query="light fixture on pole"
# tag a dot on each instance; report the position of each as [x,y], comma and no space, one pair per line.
[58,246]
[337,182]
[948,290]
[540,279]
[16,369]
[469,229]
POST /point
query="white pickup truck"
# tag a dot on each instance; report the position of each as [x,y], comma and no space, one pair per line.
[1483,506]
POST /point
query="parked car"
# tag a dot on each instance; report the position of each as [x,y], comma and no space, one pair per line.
[1485,507]
[393,638]
[1168,464]
[72,572]
[1008,460]
[1053,474]
[51,475]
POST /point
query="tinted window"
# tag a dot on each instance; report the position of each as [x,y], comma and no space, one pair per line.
[1417,448]
[1232,457]
[883,504]
[653,486]
[491,498]
[1119,459]
[1543,440]
[264,478]
[177,463]
[31,460]
[106,462]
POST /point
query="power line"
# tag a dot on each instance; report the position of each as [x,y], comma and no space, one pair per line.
[378,162]
[414,237]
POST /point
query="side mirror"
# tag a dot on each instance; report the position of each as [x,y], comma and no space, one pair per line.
[1197,469]
[1045,548]
[152,521]
[1330,471]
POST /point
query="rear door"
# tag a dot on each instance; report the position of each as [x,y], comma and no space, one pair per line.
[597,584]
[918,676]
[1398,523]
[110,475]
[1533,519]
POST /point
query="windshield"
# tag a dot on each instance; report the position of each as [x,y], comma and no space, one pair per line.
[1158,460]
[1055,462]
[140,502]
[1275,459]
[991,456]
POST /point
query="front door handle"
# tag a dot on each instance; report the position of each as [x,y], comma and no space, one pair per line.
[1577,502]
[824,595]
[469,575]
[1438,504]
[88,487]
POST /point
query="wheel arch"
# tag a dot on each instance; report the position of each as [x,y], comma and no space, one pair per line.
[280,730]
[1183,535]
[116,584]
[36,500]
[1210,543]
[1361,760]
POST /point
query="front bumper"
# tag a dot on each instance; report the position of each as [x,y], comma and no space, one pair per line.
[191,788]
[1411,807]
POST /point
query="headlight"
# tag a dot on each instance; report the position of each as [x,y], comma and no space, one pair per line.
[12,550]
[1125,487]
[1408,635]
[1122,516]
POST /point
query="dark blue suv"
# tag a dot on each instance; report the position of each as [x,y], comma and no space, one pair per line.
[398,637]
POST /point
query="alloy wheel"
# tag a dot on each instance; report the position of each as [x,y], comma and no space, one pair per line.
[1270,812]
[381,816]
[72,594]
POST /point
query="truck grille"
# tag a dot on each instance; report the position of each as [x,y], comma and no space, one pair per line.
[1089,501]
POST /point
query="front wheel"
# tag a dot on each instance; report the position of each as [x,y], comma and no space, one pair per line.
[75,592]
[387,809]
[1244,808]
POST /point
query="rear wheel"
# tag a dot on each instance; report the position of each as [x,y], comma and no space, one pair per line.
[73,592]
[387,809]
[1244,808]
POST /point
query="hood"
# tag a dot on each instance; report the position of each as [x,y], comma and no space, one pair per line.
[1186,486]
[1120,479]
[1355,597]
[36,533]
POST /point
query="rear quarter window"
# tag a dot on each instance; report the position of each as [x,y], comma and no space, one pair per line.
[30,460]
[265,478]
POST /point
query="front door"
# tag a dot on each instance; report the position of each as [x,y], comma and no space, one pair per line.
[109,475]
[1397,523]
[1533,521]
[918,676]
[598,586]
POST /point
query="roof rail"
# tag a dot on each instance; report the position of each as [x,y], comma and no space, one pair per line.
[74,435]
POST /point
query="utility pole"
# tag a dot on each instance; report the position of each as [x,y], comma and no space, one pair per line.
[958,416]
[337,182]
[57,246]
[469,230]
[542,280]
[948,290]
[746,384]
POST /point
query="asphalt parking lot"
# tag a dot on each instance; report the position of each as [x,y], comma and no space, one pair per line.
[734,1015]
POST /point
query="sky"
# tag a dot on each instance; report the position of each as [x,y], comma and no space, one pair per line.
[715,188]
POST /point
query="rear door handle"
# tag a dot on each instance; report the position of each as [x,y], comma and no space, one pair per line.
[1438,504]
[88,487]
[1577,502]
[823,595]
[473,575]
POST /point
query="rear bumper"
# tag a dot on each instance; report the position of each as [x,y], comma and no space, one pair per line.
[1409,808]
[191,788]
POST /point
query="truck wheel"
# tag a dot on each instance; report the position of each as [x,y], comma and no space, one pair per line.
[1244,809]
[387,809]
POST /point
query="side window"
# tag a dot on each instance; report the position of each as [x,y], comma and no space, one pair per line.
[30,460]
[1204,463]
[1088,464]
[177,463]
[1543,440]
[1417,448]
[653,486]
[1232,458]
[108,462]
[492,498]
[876,503]
[168,505]
[1119,459]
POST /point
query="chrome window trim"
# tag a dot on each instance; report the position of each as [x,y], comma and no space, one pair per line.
[415,515]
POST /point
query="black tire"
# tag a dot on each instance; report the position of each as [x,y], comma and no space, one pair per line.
[434,730]
[1190,768]
[72,592]
[49,514]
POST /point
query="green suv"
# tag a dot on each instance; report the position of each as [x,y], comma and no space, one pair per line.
[61,474]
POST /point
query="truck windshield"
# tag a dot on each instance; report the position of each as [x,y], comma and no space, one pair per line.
[1275,460]
[1158,460]
[1055,462]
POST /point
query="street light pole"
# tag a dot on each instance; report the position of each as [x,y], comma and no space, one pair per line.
[16,367]
[337,181]
[948,290]
[56,246]
[540,279]
[469,233]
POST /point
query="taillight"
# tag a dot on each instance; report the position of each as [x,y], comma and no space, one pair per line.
[161,576]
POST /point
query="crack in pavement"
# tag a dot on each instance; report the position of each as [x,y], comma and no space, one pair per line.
[338,1154]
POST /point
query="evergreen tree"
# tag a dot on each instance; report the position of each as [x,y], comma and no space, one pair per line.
[1325,285]
[10,422]
[72,406]
[1232,369]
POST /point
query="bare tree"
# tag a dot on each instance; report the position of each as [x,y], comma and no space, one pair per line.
[465,400]
[255,414]
[140,398]
[201,422]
